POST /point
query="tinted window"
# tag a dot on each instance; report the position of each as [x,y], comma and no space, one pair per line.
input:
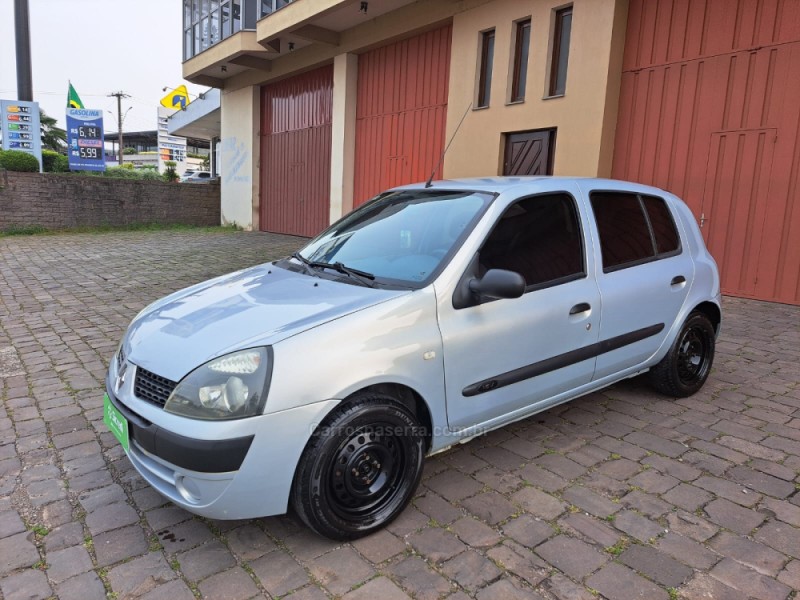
[560,57]
[663,226]
[621,223]
[485,70]
[538,237]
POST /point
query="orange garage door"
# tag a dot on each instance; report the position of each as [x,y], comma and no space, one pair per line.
[296,153]
[709,110]
[401,111]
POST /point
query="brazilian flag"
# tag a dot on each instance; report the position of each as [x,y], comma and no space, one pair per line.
[73,100]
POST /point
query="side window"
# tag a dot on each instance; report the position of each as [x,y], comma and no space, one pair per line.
[633,229]
[540,238]
[667,240]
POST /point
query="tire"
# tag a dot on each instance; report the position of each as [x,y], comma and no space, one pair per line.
[360,468]
[685,368]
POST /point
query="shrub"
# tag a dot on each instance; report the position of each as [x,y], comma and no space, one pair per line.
[150,174]
[14,160]
[54,162]
[62,164]
[170,175]
[122,172]
[129,150]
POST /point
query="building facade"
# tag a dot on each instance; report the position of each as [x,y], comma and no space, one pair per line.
[326,102]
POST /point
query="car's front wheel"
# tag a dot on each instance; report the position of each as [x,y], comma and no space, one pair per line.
[360,467]
[685,368]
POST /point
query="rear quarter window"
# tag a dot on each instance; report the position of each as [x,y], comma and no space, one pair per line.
[633,229]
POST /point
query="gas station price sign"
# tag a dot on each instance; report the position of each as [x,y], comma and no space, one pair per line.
[85,139]
[19,123]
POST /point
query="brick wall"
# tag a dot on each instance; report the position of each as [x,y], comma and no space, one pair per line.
[60,201]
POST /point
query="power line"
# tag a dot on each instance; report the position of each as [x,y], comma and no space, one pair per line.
[119,95]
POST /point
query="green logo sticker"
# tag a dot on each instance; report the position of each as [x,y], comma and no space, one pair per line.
[116,423]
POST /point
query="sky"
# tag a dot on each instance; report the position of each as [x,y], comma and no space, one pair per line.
[102,46]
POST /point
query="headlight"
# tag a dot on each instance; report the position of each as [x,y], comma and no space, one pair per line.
[233,386]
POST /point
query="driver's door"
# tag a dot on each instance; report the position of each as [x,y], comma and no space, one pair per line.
[504,356]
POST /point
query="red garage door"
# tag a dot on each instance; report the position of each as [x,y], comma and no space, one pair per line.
[296,153]
[401,112]
[709,111]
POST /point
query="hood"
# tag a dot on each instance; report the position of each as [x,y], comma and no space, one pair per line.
[254,307]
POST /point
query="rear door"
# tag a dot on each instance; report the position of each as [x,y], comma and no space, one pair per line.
[505,356]
[644,273]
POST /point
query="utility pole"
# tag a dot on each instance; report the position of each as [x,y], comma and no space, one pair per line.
[23,45]
[119,96]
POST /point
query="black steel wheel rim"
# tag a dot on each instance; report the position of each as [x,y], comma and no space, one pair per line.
[366,473]
[693,355]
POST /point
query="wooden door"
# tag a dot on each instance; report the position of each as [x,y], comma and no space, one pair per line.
[529,152]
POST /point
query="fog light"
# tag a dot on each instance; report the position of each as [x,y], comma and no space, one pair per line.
[187,489]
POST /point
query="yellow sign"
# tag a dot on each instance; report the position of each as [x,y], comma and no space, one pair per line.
[177,98]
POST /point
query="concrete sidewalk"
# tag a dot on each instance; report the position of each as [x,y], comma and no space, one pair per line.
[623,494]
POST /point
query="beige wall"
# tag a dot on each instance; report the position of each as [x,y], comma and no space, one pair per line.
[584,125]
[239,156]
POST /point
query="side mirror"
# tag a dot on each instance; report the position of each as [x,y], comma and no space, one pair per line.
[498,283]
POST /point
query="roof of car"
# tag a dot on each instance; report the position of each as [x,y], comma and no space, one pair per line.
[498,184]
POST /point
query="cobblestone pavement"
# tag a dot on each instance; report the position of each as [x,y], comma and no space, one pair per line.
[622,494]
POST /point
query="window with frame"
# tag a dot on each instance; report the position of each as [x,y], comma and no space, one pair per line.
[485,68]
[522,46]
[540,238]
[633,229]
[562,32]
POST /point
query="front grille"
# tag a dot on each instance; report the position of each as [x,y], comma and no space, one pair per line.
[151,387]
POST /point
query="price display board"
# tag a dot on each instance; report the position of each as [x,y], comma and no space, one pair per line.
[85,139]
[20,127]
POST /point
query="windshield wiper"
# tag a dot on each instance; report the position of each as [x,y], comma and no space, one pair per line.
[305,262]
[365,278]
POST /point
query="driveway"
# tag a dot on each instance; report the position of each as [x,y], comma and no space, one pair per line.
[622,494]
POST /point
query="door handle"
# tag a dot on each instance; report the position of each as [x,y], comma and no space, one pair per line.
[677,280]
[580,308]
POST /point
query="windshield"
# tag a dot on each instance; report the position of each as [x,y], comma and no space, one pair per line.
[401,236]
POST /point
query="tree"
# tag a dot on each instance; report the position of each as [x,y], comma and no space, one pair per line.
[53,137]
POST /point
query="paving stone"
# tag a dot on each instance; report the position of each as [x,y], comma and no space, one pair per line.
[205,560]
[437,509]
[45,492]
[436,544]
[539,503]
[733,517]
[620,469]
[114,546]
[656,565]
[90,481]
[520,561]
[234,584]
[535,475]
[10,523]
[706,462]
[728,490]
[340,570]
[653,482]
[17,551]
[762,558]
[690,525]
[749,581]
[380,587]
[82,587]
[470,570]
[420,580]
[453,486]
[26,585]
[249,542]
[571,556]
[111,516]
[279,573]
[380,546]
[592,503]
[140,576]
[500,458]
[791,575]
[617,582]
[590,527]
[704,587]
[410,520]
[687,551]
[766,484]
[500,481]
[63,564]
[174,590]
[687,497]
[91,501]
[751,449]
[635,525]
[647,504]
[183,536]
[527,530]
[490,506]
[675,468]
[508,589]
[475,534]
[656,443]
[780,536]
[786,512]
[64,536]
[561,465]
[57,513]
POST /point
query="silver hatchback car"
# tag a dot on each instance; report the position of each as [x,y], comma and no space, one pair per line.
[428,316]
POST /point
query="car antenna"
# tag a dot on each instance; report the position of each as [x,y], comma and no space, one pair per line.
[452,137]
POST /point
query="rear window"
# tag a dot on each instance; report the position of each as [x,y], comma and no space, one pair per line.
[633,229]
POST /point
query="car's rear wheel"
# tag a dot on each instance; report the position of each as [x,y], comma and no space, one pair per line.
[685,368]
[360,467]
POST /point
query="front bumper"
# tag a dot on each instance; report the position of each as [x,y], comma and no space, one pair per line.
[182,458]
